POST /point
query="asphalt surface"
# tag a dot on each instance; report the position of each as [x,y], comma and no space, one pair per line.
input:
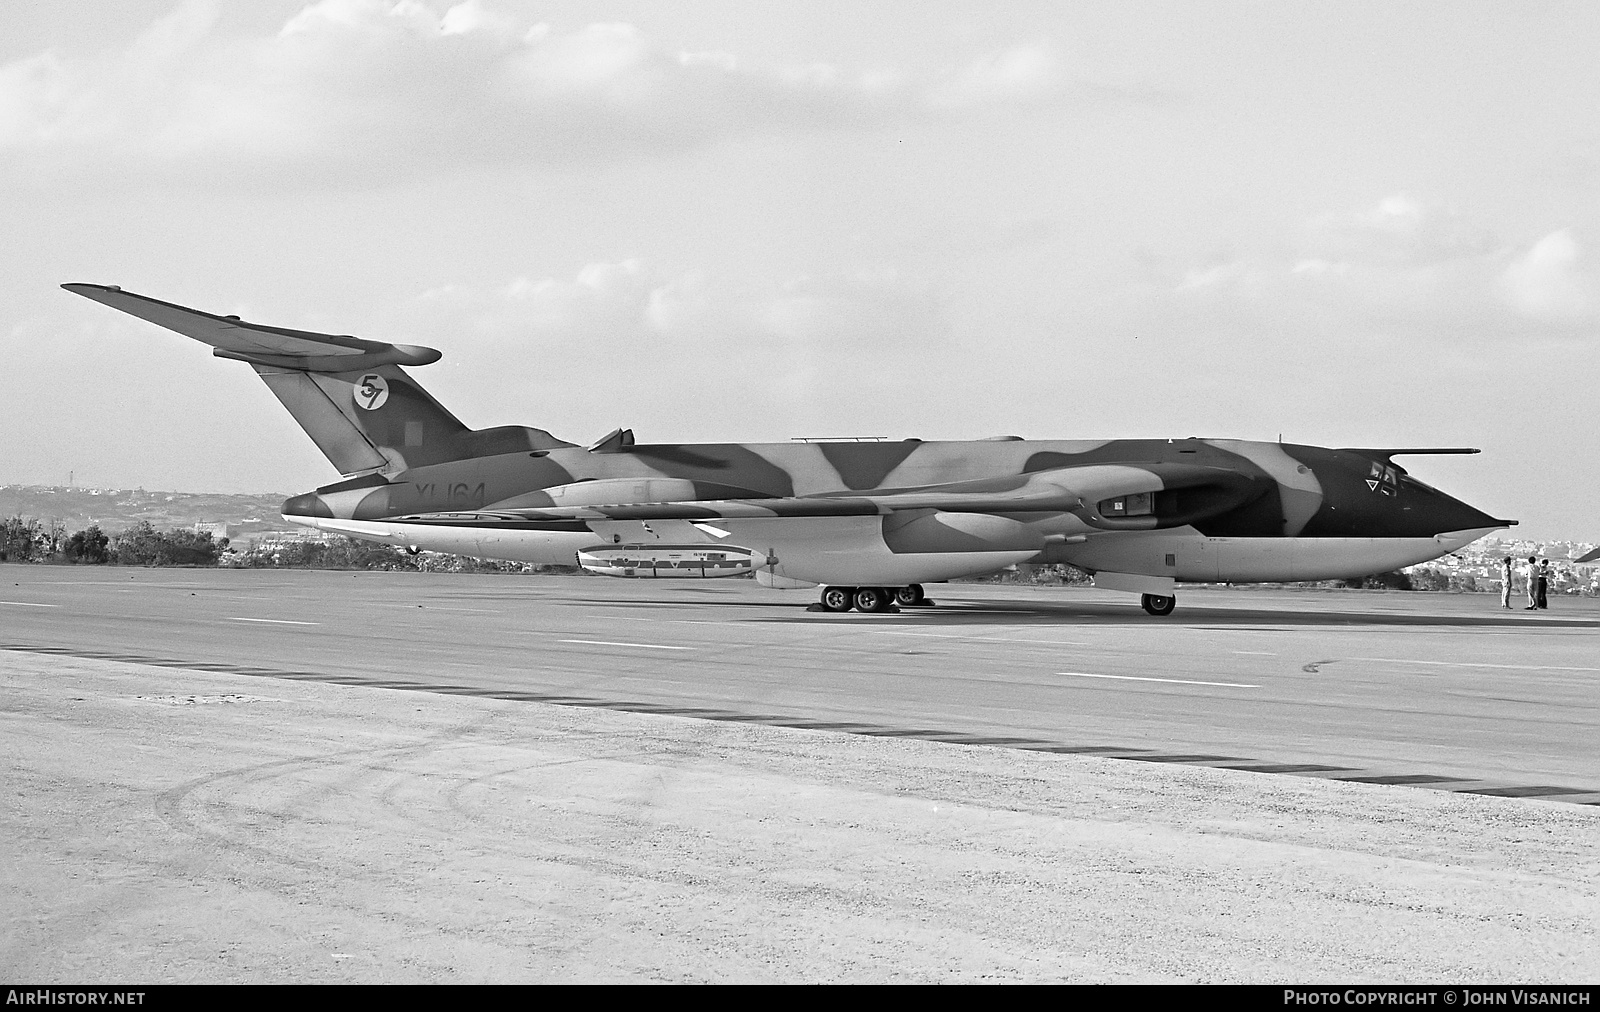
[220,776]
[1447,692]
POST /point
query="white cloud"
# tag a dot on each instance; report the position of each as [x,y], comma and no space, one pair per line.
[1019,74]
[632,339]
[48,100]
[1316,267]
[377,88]
[473,16]
[1214,277]
[1549,280]
[1399,230]
[632,304]
[1403,267]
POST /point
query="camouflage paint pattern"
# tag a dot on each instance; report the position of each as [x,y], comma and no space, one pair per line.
[414,462]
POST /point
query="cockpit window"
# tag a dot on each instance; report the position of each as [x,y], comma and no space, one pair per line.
[1384,479]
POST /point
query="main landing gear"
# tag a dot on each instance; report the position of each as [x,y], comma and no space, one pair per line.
[873,599]
[882,599]
[1158,604]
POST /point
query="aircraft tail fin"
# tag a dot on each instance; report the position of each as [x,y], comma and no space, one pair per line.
[377,419]
[350,395]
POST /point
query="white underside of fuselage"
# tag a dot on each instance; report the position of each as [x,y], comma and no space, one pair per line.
[1186,555]
[550,548]
[850,551]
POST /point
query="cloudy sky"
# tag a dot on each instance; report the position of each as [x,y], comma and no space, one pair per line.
[1348,224]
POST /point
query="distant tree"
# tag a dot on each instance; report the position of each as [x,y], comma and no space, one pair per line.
[22,540]
[189,548]
[1045,574]
[442,563]
[143,545]
[1437,579]
[343,553]
[353,553]
[139,545]
[1428,578]
[1395,580]
[88,546]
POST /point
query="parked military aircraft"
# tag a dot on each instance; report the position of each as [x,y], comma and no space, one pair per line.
[869,521]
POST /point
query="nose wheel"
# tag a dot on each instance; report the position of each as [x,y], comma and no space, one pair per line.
[1158,604]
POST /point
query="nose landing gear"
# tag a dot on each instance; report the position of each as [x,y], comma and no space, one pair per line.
[1158,604]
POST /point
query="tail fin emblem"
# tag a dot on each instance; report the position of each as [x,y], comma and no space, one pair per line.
[371,391]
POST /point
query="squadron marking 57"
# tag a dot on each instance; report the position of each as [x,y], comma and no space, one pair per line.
[868,521]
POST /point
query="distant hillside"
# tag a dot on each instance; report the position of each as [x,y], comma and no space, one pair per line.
[117,509]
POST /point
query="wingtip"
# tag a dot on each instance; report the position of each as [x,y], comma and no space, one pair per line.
[77,287]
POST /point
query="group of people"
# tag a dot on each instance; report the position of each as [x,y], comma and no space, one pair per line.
[1538,575]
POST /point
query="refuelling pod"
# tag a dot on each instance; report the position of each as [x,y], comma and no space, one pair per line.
[695,562]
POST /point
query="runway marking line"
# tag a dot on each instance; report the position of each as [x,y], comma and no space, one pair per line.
[29,604]
[1174,681]
[1257,653]
[612,643]
[976,639]
[271,621]
[1475,664]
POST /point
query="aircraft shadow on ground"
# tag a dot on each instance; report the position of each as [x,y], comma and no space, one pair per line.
[1026,612]
[1036,613]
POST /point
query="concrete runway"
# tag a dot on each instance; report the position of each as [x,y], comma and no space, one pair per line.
[1442,691]
[263,776]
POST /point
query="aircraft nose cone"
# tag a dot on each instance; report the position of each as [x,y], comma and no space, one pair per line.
[1363,497]
[308,505]
[1437,513]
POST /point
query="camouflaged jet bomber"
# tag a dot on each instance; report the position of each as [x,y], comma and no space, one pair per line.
[870,522]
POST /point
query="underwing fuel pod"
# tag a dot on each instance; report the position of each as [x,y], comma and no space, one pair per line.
[693,562]
[868,522]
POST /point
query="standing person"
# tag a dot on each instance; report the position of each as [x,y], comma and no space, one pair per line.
[1533,584]
[1505,582]
[1544,582]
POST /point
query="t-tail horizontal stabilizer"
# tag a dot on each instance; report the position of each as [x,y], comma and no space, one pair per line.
[279,347]
[350,395]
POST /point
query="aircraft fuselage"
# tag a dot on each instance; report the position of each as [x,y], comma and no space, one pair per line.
[1293,512]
